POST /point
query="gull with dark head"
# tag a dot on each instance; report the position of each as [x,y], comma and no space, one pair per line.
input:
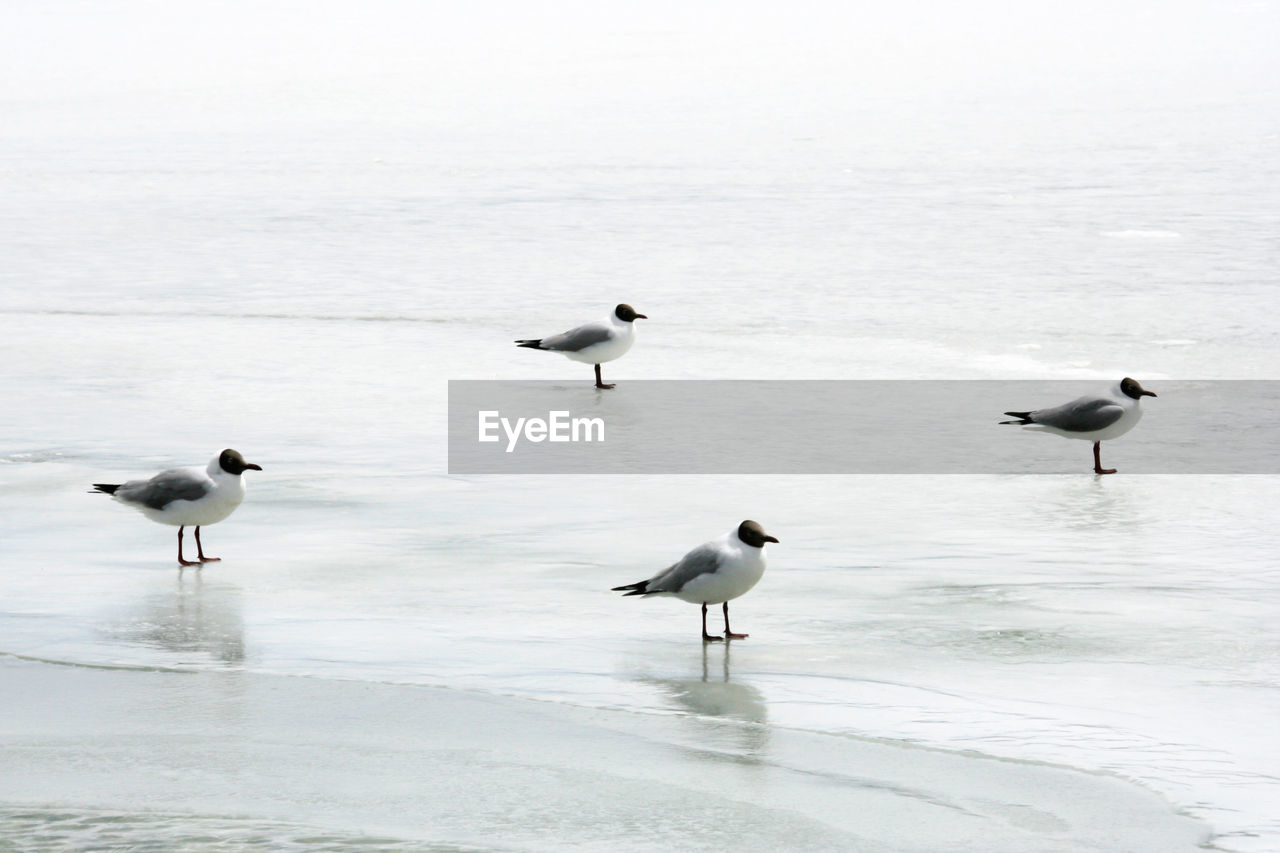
[594,343]
[713,573]
[183,496]
[1094,417]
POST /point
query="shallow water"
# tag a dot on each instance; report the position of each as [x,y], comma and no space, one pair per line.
[292,253]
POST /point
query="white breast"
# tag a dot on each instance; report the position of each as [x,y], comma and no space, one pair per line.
[738,573]
[1127,421]
[228,493]
[624,335]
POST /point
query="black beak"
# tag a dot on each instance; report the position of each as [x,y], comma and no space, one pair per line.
[1145,393]
[768,538]
[642,317]
[249,466]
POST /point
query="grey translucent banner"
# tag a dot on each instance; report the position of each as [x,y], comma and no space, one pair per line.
[847,427]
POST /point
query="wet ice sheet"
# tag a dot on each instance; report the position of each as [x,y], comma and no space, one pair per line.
[997,627]
[78,828]
[449,767]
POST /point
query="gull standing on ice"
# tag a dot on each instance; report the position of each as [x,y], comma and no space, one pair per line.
[594,343]
[1094,417]
[185,496]
[712,573]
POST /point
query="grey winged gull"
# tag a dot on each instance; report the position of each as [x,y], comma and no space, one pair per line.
[186,496]
[594,343]
[1093,417]
[713,573]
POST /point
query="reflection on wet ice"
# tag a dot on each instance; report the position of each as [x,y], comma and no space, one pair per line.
[190,616]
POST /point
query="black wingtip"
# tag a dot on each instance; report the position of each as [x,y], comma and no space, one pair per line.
[531,344]
[1023,418]
[637,588]
[108,488]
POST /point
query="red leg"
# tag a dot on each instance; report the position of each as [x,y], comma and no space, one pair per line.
[729,634]
[600,384]
[707,638]
[200,550]
[1097,460]
[181,561]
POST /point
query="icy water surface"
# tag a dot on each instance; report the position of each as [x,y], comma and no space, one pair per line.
[285,230]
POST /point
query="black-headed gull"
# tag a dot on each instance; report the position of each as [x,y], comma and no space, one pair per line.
[1094,417]
[713,573]
[185,496]
[594,343]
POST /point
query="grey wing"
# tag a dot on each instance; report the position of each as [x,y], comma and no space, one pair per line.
[578,339]
[176,484]
[1087,414]
[703,560]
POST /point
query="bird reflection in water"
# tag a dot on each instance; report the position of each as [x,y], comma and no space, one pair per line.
[196,621]
[715,698]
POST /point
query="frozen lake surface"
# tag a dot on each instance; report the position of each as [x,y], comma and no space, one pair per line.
[286,239]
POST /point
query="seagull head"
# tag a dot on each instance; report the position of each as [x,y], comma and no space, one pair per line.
[751,533]
[233,463]
[626,313]
[1131,388]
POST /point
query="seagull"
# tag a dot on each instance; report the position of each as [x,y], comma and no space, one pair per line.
[713,573]
[594,343]
[1094,417]
[185,496]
